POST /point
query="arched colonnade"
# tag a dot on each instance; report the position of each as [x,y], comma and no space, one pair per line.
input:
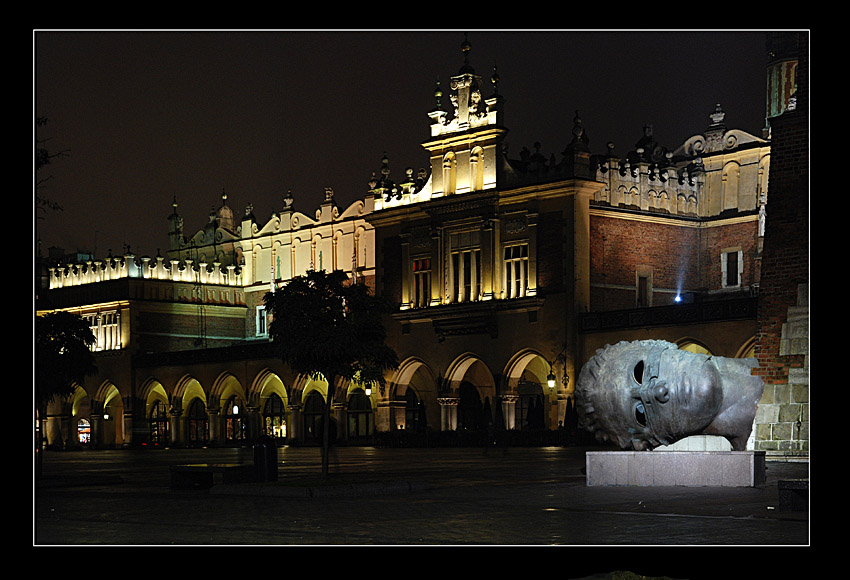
[417,397]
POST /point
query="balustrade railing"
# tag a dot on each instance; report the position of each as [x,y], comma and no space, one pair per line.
[93,271]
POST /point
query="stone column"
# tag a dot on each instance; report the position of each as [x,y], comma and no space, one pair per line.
[96,431]
[448,413]
[405,271]
[338,414]
[295,427]
[491,259]
[253,422]
[383,416]
[397,414]
[214,423]
[127,425]
[531,283]
[437,273]
[509,410]
[175,434]
[66,436]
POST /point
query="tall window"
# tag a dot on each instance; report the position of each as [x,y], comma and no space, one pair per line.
[516,271]
[197,426]
[466,275]
[262,321]
[359,414]
[731,265]
[421,282]
[274,417]
[234,427]
[159,424]
[643,291]
[84,431]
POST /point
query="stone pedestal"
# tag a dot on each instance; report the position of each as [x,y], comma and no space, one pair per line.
[682,468]
[698,443]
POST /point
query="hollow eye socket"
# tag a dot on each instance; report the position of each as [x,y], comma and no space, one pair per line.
[638,373]
[640,414]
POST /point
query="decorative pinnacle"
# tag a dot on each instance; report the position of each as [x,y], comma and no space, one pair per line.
[465,47]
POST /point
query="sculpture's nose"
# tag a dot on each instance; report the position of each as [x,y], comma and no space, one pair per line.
[660,392]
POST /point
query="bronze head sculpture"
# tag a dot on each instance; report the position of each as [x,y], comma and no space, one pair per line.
[647,393]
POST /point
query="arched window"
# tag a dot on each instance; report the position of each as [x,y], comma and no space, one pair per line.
[449,173]
[274,417]
[84,431]
[731,179]
[197,425]
[693,346]
[159,424]
[476,162]
[234,426]
[359,414]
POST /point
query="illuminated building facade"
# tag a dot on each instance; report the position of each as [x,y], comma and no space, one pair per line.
[508,273]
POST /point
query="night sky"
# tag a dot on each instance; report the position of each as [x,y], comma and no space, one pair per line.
[150,116]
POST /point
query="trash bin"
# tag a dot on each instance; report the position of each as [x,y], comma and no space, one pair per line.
[265,458]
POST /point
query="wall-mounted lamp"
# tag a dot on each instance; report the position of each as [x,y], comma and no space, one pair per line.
[368,391]
[550,380]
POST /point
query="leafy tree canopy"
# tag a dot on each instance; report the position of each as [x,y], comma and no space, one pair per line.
[324,324]
[62,354]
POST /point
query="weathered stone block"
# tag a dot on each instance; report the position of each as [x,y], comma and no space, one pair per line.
[767,414]
[782,393]
[800,392]
[790,412]
[782,431]
[676,468]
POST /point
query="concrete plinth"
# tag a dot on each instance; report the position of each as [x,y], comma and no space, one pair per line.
[684,468]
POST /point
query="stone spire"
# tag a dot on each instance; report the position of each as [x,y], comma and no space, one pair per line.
[225,214]
[175,227]
[467,101]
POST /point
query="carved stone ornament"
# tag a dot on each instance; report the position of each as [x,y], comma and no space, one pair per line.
[648,393]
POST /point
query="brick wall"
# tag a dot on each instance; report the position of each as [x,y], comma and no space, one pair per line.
[736,235]
[679,258]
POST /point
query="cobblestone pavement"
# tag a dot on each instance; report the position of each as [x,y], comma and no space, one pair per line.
[396,497]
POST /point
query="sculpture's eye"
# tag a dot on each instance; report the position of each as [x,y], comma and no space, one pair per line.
[638,372]
[640,415]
